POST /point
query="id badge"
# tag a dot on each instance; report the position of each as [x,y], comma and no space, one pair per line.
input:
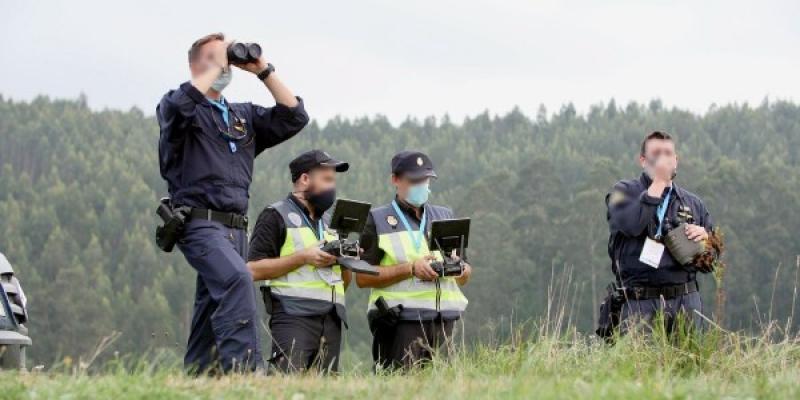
[652,253]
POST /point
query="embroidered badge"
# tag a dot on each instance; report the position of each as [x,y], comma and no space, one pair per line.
[391,220]
[616,197]
[294,218]
[419,161]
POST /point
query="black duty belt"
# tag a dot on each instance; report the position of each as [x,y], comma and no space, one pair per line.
[644,293]
[231,220]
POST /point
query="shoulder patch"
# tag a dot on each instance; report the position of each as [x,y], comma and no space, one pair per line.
[294,218]
[616,197]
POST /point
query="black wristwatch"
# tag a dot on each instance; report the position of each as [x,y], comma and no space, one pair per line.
[265,73]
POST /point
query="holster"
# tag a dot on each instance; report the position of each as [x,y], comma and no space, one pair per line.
[266,295]
[385,317]
[610,309]
[174,220]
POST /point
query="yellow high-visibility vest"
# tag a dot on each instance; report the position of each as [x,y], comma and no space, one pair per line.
[305,282]
[398,246]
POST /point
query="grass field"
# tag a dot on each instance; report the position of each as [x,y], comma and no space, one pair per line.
[539,365]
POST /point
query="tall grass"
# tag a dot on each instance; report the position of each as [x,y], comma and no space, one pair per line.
[548,358]
[562,364]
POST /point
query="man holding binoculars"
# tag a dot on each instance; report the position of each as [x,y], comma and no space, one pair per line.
[207,147]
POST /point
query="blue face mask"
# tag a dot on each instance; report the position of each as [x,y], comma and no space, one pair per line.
[223,80]
[418,194]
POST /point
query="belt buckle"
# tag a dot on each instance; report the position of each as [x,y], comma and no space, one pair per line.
[208,214]
[638,292]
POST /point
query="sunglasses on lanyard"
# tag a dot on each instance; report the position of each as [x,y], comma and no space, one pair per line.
[233,133]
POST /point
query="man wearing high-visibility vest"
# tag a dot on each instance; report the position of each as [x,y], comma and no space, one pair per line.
[304,291]
[424,306]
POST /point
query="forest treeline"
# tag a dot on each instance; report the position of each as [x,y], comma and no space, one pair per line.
[78,190]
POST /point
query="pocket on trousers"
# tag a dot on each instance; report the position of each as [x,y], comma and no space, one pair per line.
[198,237]
[231,326]
[220,268]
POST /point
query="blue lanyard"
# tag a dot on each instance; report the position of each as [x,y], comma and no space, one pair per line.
[421,234]
[320,229]
[224,109]
[661,212]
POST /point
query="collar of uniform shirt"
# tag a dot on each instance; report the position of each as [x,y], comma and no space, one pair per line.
[300,205]
[646,181]
[222,106]
[408,209]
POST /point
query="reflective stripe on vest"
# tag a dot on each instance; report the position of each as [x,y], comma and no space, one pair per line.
[398,247]
[304,281]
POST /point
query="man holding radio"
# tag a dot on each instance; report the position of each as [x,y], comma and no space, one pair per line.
[304,289]
[425,306]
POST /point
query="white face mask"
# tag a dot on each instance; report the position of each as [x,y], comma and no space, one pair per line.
[223,80]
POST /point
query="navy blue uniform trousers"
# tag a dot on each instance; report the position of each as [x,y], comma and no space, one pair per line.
[641,313]
[224,332]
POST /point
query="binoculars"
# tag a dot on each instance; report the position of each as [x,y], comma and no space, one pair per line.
[242,53]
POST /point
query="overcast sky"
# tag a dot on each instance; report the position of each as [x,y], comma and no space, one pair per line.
[413,57]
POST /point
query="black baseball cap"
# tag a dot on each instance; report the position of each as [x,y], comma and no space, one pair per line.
[413,165]
[313,159]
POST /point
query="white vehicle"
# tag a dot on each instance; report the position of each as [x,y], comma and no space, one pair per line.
[13,315]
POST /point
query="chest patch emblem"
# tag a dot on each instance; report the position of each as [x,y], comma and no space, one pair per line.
[391,220]
[294,218]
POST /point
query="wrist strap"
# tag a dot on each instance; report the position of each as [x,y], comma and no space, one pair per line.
[265,73]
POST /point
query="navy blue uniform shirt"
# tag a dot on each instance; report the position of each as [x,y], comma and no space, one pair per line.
[198,162]
[632,218]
